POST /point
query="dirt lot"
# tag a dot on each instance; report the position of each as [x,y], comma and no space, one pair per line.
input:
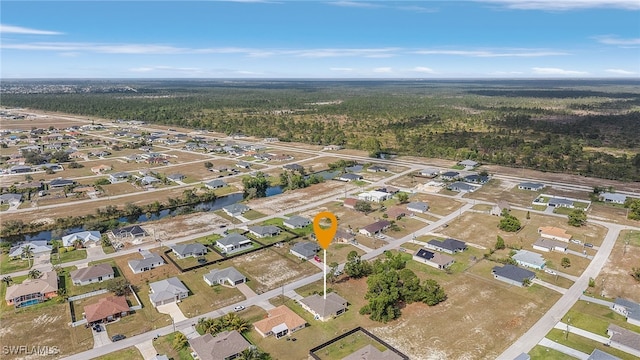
[615,279]
[438,205]
[508,191]
[290,199]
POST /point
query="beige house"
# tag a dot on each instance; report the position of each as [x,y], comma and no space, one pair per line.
[554,233]
[324,309]
[280,322]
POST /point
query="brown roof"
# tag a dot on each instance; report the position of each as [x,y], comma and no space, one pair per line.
[220,347]
[554,231]
[396,212]
[503,205]
[344,235]
[46,284]
[277,316]
[105,307]
[91,272]
[376,226]
[350,202]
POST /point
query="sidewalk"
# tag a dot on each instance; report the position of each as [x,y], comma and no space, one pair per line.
[563,349]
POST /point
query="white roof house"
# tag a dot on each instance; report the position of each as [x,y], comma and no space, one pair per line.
[529,259]
[85,236]
[376,196]
[613,198]
[37,247]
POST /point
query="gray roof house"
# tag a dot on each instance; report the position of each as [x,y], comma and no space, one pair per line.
[560,202]
[499,207]
[293,167]
[354,168]
[418,207]
[449,175]
[598,354]
[233,243]
[11,199]
[225,345]
[92,274]
[348,177]
[429,172]
[613,198]
[119,177]
[434,259]
[375,228]
[476,179]
[532,186]
[215,184]
[462,186]
[264,231]
[324,309]
[176,177]
[185,250]
[450,246]
[149,261]
[468,163]
[55,183]
[235,209]
[547,245]
[512,274]
[623,339]
[529,259]
[37,247]
[229,276]
[370,352]
[628,309]
[304,250]
[132,231]
[167,291]
[296,222]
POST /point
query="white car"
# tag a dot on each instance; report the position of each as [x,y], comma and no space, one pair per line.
[549,271]
[238,308]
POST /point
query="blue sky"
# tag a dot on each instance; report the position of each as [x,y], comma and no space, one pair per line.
[320,39]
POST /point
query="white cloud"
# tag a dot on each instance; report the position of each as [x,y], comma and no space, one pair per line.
[9,29]
[358,4]
[382,70]
[318,53]
[564,5]
[418,9]
[556,71]
[620,72]
[486,53]
[345,69]
[423,69]
[614,40]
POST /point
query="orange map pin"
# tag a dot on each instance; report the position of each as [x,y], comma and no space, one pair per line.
[325,236]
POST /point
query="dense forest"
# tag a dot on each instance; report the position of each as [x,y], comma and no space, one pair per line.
[573,126]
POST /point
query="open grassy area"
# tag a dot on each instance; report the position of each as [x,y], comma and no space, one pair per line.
[193,261]
[615,280]
[77,254]
[584,344]
[348,345]
[283,236]
[204,298]
[9,265]
[224,215]
[130,353]
[544,353]
[253,215]
[337,252]
[595,318]
[164,345]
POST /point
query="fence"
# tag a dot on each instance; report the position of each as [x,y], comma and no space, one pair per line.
[351,332]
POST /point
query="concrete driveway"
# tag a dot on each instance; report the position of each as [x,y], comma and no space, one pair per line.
[246,290]
[147,350]
[100,338]
[173,310]
[94,251]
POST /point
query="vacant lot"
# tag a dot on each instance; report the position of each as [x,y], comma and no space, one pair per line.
[197,171]
[615,278]
[130,353]
[508,191]
[439,205]
[290,199]
[347,346]
[612,213]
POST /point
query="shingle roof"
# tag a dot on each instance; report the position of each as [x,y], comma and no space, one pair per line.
[434,257]
[188,249]
[554,231]
[264,230]
[105,307]
[418,206]
[297,221]
[305,248]
[449,244]
[232,239]
[597,354]
[613,197]
[45,284]
[370,352]
[148,259]
[529,257]
[560,201]
[550,243]
[220,347]
[85,236]
[277,316]
[91,272]
[166,289]
[376,226]
[229,273]
[624,336]
[513,272]
[235,208]
[325,307]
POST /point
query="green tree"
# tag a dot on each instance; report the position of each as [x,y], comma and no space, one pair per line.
[500,243]
[634,207]
[509,223]
[363,206]
[592,282]
[179,341]
[208,164]
[526,282]
[635,272]
[566,262]
[7,280]
[259,183]
[577,217]
[34,274]
[355,267]
[119,286]
[402,197]
[27,252]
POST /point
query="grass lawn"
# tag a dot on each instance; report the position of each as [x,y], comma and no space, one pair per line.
[164,345]
[539,207]
[224,215]
[193,261]
[338,252]
[130,353]
[544,353]
[204,298]
[209,239]
[8,265]
[307,230]
[73,290]
[78,254]
[141,321]
[253,215]
[347,346]
[583,344]
[108,249]
[596,318]
[283,236]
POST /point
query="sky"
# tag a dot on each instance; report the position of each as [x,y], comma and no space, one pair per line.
[320,39]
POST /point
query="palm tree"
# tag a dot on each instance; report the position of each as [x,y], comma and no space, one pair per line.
[180,341]
[34,274]
[78,243]
[7,280]
[239,324]
[254,353]
[27,252]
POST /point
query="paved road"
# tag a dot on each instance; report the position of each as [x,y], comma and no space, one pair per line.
[540,329]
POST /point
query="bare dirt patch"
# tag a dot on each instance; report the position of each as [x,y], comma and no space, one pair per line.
[615,279]
[290,199]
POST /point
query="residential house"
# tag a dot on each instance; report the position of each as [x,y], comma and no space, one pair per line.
[375,196]
[100,169]
[628,309]
[623,339]
[60,183]
[418,207]
[430,173]
[119,177]
[375,228]
[449,175]
[215,184]
[554,233]
[324,309]
[348,177]
[305,250]
[92,274]
[449,246]
[434,259]
[79,155]
[264,231]
[598,354]
[235,209]
[148,262]
[613,198]
[296,222]
[293,167]
[531,186]
[243,165]
[229,276]
[529,259]
[500,207]
[37,247]
[344,236]
[376,168]
[370,352]
[332,147]
[176,177]
[350,203]
[10,199]
[33,291]
[93,237]
[468,163]
[354,169]
[20,169]
[167,291]
[149,180]
[547,245]
[106,310]
[52,167]
[389,190]
[233,243]
[560,202]
[225,345]
[476,179]
[133,231]
[396,212]
[462,187]
[512,274]
[186,250]
[280,322]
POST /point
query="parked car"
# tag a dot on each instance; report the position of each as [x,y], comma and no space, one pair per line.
[589,245]
[117,337]
[317,258]
[238,308]
[549,271]
[97,327]
[576,241]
